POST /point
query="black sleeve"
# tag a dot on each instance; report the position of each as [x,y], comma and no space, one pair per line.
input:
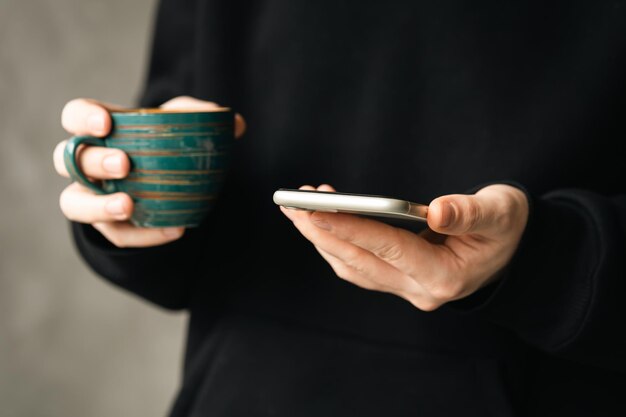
[160,274]
[563,290]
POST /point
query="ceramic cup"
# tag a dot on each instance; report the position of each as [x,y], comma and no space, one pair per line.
[178,161]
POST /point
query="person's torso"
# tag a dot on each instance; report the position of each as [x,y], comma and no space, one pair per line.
[405,99]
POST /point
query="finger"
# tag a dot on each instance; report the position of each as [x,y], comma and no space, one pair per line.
[296,213]
[240,125]
[86,117]
[390,280]
[492,209]
[186,102]
[326,187]
[57,159]
[363,264]
[125,235]
[95,161]
[347,273]
[419,298]
[81,205]
[189,103]
[456,214]
[402,249]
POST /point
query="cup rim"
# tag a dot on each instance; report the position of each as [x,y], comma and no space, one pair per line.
[157,110]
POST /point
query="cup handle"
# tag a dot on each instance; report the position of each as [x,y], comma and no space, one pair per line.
[69,158]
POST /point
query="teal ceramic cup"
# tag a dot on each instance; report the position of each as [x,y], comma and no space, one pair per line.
[178,162]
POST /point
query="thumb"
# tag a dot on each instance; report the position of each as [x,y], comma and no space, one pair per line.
[458,214]
[495,209]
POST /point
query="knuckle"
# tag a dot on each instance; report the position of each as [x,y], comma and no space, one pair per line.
[391,252]
[503,220]
[116,238]
[240,125]
[57,157]
[129,205]
[471,213]
[343,272]
[68,111]
[427,305]
[423,301]
[358,268]
[59,148]
[64,202]
[505,213]
[125,159]
[122,202]
[350,274]
[446,291]
[189,101]
[351,257]
[92,157]
[117,242]
[176,101]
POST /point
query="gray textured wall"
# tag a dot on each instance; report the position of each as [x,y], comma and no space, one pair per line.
[70,344]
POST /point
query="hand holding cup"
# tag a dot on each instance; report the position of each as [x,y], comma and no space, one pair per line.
[165,200]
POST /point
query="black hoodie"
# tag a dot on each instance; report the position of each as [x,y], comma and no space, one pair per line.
[411,99]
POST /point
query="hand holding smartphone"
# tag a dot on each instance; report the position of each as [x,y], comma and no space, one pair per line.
[368,205]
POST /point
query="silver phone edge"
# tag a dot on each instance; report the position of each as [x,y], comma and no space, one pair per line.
[395,208]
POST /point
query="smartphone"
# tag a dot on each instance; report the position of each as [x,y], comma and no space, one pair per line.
[368,205]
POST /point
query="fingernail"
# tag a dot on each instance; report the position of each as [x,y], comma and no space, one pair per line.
[173,232]
[112,164]
[115,207]
[447,214]
[95,123]
[321,223]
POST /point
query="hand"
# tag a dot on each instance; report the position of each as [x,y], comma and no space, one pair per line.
[471,238]
[109,214]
